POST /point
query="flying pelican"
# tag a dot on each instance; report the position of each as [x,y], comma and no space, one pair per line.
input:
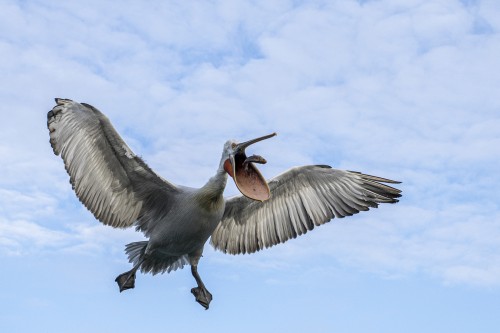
[121,191]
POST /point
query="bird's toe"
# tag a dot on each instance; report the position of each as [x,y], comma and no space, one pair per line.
[203,296]
[126,281]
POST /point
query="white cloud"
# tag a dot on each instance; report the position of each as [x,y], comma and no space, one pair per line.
[21,237]
[403,90]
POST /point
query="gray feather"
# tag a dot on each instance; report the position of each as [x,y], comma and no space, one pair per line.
[301,198]
[108,178]
[154,263]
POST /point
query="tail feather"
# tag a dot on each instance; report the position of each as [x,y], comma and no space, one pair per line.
[135,251]
[155,262]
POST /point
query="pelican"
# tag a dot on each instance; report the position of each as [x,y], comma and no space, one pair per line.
[122,191]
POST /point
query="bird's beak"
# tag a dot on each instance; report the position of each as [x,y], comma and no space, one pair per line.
[247,177]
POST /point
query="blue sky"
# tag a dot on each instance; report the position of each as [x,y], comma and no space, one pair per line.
[402,89]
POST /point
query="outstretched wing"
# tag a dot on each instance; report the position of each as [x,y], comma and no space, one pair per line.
[301,198]
[108,178]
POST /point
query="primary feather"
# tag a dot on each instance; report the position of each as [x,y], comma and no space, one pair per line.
[302,198]
[108,178]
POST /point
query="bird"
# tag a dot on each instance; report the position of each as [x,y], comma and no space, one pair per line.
[122,191]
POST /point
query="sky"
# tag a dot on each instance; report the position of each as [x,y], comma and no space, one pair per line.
[406,90]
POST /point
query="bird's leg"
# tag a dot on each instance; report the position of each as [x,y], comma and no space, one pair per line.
[202,295]
[127,280]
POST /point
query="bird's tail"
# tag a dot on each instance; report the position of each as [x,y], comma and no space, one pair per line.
[155,262]
[135,251]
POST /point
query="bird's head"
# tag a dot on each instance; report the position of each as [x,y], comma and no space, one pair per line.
[241,168]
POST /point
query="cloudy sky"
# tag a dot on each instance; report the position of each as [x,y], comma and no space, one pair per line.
[402,89]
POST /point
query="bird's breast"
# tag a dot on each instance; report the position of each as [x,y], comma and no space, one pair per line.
[188,226]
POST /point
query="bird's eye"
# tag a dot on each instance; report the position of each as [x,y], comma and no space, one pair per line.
[233,145]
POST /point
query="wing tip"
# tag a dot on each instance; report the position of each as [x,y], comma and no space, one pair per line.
[62,101]
[60,104]
[376,178]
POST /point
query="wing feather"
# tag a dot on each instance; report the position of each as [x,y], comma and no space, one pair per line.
[107,177]
[301,199]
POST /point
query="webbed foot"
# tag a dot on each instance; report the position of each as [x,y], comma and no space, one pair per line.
[203,296]
[126,280]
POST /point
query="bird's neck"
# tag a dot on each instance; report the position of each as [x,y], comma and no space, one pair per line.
[214,188]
